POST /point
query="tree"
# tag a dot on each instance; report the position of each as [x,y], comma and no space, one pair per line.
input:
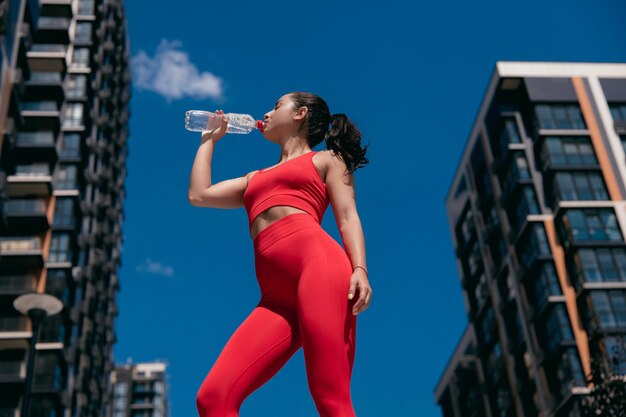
[608,376]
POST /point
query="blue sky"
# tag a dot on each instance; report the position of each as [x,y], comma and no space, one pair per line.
[411,75]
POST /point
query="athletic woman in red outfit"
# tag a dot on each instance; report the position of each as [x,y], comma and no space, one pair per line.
[311,288]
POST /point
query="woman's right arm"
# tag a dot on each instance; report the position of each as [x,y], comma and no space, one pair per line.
[224,194]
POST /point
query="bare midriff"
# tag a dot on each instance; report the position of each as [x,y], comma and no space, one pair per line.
[275,213]
[269,216]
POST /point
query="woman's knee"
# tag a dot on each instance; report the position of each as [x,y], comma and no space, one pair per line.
[211,399]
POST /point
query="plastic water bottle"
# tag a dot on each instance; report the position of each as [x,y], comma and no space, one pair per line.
[200,120]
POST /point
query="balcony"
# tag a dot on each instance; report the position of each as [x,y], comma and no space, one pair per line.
[588,227]
[36,145]
[29,180]
[532,249]
[40,115]
[26,216]
[44,85]
[47,57]
[21,252]
[14,285]
[14,324]
[12,370]
[569,153]
[53,29]
[56,8]
[513,179]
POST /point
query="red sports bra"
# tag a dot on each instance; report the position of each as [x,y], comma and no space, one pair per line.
[294,183]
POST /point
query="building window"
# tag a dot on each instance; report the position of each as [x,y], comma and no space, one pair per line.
[70,145]
[555,329]
[76,86]
[600,265]
[85,7]
[46,76]
[559,116]
[510,134]
[542,285]
[591,224]
[60,248]
[609,308]
[579,186]
[486,328]
[83,32]
[618,112]
[121,389]
[56,284]
[73,116]
[532,245]
[120,403]
[566,151]
[64,212]
[569,373]
[80,57]
[493,365]
[34,169]
[480,294]
[615,347]
[66,178]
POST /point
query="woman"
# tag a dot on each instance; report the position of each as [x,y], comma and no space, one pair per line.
[308,282]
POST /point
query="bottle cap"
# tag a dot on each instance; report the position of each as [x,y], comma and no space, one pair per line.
[259,125]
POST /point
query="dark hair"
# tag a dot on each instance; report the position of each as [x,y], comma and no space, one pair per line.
[343,137]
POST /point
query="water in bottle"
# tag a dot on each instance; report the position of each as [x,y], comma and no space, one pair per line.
[200,120]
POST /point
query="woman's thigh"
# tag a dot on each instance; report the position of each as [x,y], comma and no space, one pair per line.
[255,352]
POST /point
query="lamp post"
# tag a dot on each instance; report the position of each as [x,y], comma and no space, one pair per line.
[37,306]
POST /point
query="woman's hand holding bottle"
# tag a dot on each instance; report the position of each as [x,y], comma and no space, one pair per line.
[217,133]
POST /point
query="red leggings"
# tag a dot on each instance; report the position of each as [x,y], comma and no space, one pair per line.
[304,277]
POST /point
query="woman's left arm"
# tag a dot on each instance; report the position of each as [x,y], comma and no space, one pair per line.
[340,186]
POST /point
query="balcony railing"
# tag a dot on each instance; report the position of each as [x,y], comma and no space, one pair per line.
[17,283]
[49,48]
[14,324]
[35,138]
[52,23]
[19,244]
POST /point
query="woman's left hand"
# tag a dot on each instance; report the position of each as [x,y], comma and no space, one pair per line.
[359,280]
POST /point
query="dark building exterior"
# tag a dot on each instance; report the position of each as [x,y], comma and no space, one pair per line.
[140,390]
[64,94]
[538,220]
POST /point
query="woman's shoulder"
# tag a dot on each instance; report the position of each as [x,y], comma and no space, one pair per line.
[332,159]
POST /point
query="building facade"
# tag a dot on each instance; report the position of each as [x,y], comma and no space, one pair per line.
[140,390]
[538,219]
[64,94]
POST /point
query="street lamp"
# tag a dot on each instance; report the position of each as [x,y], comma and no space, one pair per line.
[37,306]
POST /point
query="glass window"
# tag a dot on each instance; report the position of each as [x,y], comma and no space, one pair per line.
[64,212]
[60,250]
[615,346]
[618,112]
[609,307]
[70,145]
[66,177]
[83,32]
[73,115]
[559,116]
[80,57]
[85,7]
[76,86]
[559,151]
[522,167]
[543,285]
[592,224]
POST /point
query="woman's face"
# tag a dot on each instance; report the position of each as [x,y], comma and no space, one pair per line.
[281,121]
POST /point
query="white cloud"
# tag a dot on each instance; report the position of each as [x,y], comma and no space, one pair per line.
[155,268]
[171,74]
